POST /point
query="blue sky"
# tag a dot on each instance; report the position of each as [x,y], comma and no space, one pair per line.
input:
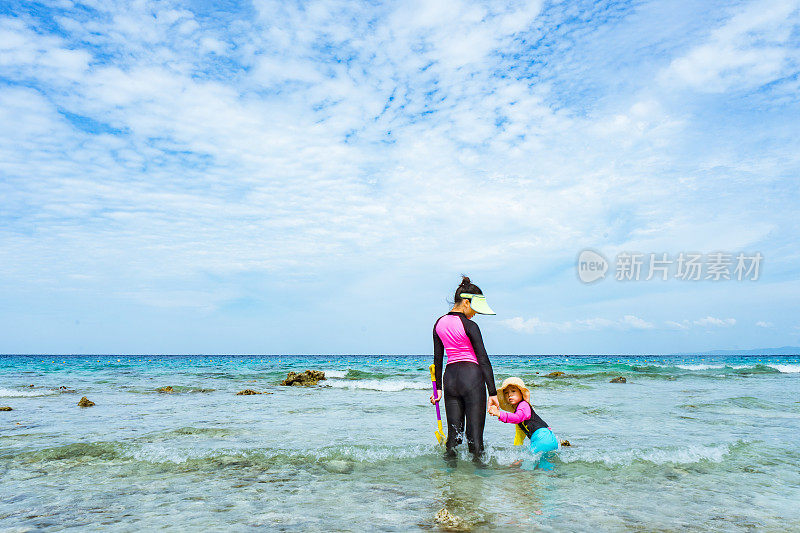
[280,177]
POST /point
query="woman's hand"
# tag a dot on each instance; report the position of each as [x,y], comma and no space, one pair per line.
[493,401]
[438,397]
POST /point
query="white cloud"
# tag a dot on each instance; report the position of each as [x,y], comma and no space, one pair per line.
[636,322]
[533,325]
[678,325]
[763,324]
[751,49]
[711,321]
[707,322]
[344,137]
[536,325]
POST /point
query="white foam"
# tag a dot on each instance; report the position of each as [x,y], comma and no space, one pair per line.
[387,385]
[687,455]
[335,373]
[360,454]
[169,453]
[700,367]
[786,369]
[161,453]
[9,393]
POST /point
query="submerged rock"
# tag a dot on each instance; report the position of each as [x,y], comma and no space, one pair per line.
[85,402]
[449,521]
[165,389]
[556,374]
[338,466]
[62,388]
[309,377]
[6,408]
[619,379]
[247,392]
[565,443]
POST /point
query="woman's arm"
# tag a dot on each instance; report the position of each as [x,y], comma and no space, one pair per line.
[474,333]
[438,356]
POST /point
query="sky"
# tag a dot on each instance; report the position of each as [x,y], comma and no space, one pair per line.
[313,178]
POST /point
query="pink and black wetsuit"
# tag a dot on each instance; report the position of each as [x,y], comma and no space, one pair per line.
[525,417]
[468,372]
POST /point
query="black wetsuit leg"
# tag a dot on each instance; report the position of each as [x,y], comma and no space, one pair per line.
[465,397]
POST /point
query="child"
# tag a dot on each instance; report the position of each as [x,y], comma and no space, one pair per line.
[515,398]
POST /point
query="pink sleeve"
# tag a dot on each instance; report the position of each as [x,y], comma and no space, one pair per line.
[523,413]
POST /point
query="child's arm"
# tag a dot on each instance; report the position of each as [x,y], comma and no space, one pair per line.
[523,412]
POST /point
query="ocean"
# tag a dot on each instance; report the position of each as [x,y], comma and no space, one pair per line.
[689,442]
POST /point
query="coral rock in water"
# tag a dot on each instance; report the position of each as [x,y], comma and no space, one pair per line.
[619,379]
[555,374]
[165,389]
[565,443]
[450,521]
[85,402]
[247,392]
[309,377]
[5,409]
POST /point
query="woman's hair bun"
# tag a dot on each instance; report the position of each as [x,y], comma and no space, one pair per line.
[466,286]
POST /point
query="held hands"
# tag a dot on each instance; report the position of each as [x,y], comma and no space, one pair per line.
[494,406]
[493,401]
[438,397]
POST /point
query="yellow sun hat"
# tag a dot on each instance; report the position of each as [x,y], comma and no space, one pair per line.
[501,393]
[478,303]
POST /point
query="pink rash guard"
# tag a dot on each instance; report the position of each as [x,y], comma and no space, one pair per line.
[523,412]
[456,343]
[461,339]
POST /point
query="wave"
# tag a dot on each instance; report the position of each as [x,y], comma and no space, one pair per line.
[786,369]
[659,456]
[161,452]
[181,388]
[248,457]
[742,402]
[669,372]
[9,393]
[191,430]
[74,451]
[173,455]
[354,374]
[757,368]
[364,374]
[574,373]
[745,370]
[387,385]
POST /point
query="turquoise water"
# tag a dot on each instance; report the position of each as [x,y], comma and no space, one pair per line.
[689,442]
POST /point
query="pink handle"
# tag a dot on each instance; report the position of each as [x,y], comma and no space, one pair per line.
[438,414]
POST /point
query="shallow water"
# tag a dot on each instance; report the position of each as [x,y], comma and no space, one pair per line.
[688,443]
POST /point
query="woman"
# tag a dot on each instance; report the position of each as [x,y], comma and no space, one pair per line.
[468,368]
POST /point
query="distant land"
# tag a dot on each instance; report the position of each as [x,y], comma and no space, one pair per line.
[783,350]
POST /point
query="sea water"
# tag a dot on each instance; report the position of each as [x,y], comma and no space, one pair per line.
[704,443]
